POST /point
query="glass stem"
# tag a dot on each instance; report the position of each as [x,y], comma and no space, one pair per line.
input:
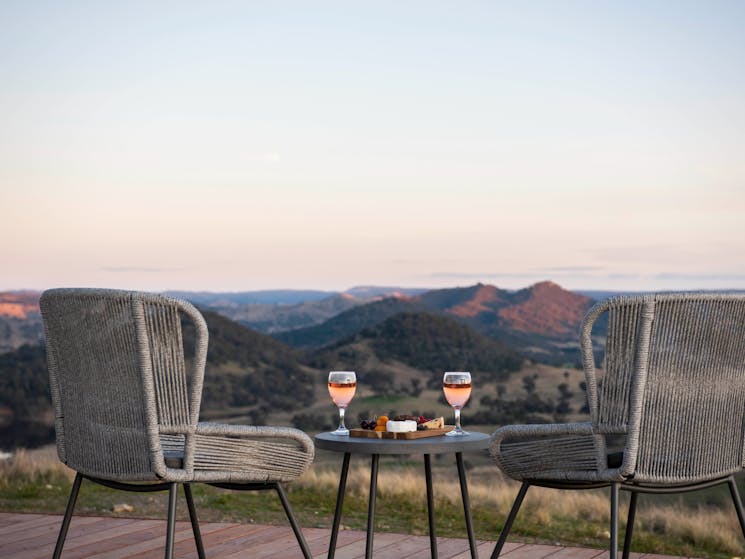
[341,419]
[457,419]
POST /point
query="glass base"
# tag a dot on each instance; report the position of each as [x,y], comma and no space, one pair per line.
[341,431]
[457,432]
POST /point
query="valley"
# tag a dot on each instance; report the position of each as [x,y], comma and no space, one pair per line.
[523,360]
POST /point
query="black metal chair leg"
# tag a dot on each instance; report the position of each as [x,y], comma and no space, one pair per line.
[614,488]
[430,506]
[629,525]
[68,515]
[466,503]
[171,529]
[510,519]
[737,502]
[339,504]
[293,522]
[194,521]
[371,505]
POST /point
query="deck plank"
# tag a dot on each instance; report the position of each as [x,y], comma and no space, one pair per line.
[483,549]
[82,534]
[604,554]
[532,551]
[153,544]
[10,518]
[356,550]
[576,553]
[316,538]
[32,536]
[231,537]
[345,537]
[254,543]
[47,533]
[78,547]
[446,548]
[28,522]
[283,544]
[407,546]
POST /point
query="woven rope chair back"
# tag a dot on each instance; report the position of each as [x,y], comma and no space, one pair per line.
[675,383]
[118,378]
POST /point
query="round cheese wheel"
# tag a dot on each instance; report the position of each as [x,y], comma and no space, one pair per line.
[400,426]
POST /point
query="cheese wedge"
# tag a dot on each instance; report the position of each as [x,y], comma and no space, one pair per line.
[437,423]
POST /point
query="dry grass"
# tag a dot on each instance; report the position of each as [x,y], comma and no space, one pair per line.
[546,515]
[35,465]
[707,527]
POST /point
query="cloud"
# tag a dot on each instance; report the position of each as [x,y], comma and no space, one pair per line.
[137,269]
[700,277]
[572,269]
[537,273]
[626,276]
[468,275]
[270,157]
[668,253]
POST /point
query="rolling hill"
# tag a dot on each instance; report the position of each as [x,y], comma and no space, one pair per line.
[246,368]
[248,374]
[284,310]
[541,321]
[20,320]
[433,343]
[347,323]
[398,350]
[410,348]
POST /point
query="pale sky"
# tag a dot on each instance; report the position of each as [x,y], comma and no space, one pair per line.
[264,145]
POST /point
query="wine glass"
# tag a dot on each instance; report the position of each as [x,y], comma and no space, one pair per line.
[342,385]
[457,388]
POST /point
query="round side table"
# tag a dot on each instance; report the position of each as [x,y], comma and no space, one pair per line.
[426,446]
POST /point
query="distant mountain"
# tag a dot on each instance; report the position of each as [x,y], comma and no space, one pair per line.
[26,417]
[280,317]
[19,304]
[247,374]
[20,320]
[238,298]
[396,354]
[278,311]
[431,342]
[542,321]
[466,302]
[372,291]
[347,323]
[599,295]
[247,368]
[545,309]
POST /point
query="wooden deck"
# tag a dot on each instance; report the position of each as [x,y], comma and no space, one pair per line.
[32,536]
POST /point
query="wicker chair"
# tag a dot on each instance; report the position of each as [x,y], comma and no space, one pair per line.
[126,408]
[672,398]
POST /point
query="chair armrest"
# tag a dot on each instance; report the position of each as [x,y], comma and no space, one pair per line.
[257,432]
[254,431]
[540,430]
[248,453]
[562,451]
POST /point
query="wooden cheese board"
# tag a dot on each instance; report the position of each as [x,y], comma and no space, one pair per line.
[367,434]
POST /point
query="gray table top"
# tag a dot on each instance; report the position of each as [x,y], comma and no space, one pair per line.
[428,445]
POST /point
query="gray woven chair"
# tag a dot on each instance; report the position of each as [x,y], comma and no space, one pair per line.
[126,408]
[672,397]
